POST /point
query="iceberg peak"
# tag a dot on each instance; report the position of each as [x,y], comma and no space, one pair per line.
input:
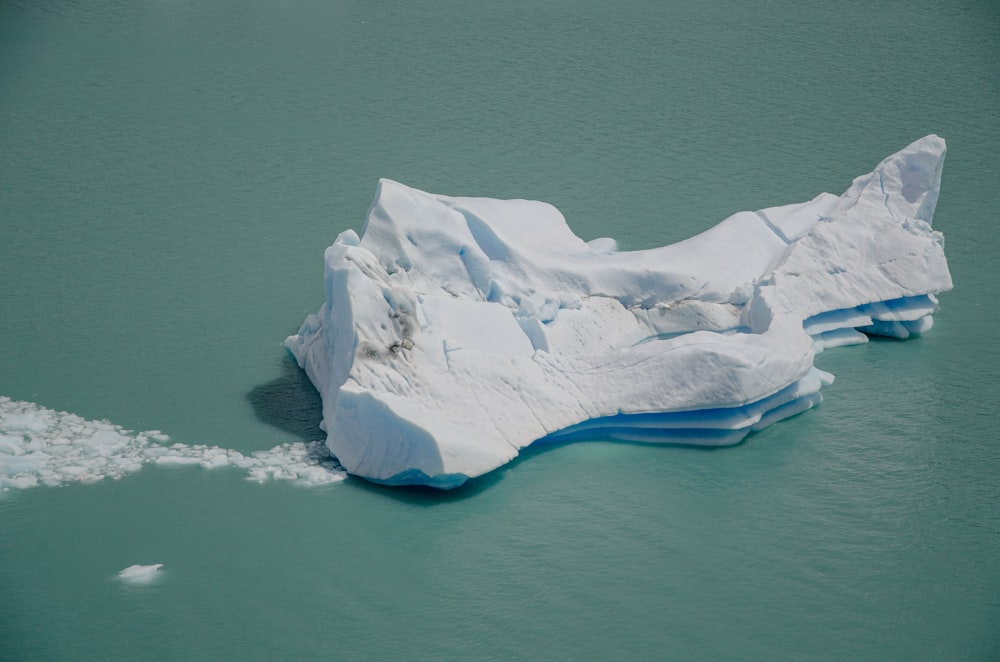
[457,331]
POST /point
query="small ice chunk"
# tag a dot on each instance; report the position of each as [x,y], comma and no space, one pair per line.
[178,459]
[39,446]
[140,574]
[603,245]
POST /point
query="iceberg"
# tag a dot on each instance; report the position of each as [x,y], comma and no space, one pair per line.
[457,331]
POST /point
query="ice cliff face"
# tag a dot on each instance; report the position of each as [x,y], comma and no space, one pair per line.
[457,331]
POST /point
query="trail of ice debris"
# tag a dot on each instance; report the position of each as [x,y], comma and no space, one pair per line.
[41,446]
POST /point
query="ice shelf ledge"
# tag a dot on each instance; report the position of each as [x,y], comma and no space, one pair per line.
[457,331]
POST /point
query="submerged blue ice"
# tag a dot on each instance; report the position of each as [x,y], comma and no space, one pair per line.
[457,331]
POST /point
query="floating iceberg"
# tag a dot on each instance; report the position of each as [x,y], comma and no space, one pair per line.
[457,331]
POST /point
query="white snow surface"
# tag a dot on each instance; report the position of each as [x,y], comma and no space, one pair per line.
[457,331]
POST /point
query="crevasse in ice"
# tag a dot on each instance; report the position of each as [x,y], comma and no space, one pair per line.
[457,331]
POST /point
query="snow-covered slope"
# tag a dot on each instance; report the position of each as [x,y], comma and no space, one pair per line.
[457,331]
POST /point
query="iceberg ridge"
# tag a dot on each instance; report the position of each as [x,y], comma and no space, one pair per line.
[457,331]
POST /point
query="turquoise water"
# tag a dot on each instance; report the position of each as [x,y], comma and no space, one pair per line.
[170,175]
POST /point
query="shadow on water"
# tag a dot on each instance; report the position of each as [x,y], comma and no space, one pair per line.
[290,403]
[422,495]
